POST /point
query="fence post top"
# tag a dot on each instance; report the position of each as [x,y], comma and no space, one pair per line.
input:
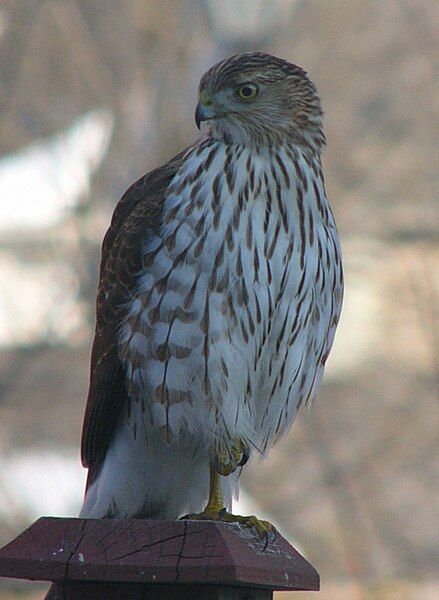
[154,551]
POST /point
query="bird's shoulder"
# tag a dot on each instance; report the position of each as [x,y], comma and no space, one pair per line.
[137,213]
[141,204]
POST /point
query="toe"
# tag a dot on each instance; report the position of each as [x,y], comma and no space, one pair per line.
[263,528]
[224,469]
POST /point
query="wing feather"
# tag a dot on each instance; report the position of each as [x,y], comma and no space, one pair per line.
[138,211]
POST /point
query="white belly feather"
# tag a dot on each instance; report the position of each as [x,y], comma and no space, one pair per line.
[236,311]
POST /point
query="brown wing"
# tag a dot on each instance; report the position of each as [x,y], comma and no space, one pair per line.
[138,212]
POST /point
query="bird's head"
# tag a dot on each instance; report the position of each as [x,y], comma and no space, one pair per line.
[259,99]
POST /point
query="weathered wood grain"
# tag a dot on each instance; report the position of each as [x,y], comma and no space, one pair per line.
[145,552]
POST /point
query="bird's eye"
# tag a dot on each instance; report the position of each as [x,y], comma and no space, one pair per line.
[248,91]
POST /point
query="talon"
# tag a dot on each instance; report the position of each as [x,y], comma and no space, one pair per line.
[263,528]
[215,510]
[245,456]
[227,460]
[266,539]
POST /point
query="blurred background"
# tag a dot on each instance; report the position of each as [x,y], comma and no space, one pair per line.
[93,95]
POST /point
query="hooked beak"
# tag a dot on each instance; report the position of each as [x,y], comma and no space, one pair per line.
[203,113]
[206,108]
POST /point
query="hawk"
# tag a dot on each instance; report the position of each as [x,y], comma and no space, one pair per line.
[219,296]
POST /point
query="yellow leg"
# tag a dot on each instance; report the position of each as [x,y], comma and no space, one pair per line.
[215,510]
[215,502]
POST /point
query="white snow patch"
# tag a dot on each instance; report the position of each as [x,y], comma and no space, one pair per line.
[40,184]
[40,482]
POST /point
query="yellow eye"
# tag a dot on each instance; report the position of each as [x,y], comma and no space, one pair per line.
[248,91]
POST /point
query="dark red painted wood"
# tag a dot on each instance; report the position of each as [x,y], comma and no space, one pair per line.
[154,551]
[161,591]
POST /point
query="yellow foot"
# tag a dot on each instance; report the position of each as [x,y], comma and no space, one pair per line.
[263,528]
[228,459]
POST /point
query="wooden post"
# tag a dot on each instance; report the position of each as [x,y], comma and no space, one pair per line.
[136,559]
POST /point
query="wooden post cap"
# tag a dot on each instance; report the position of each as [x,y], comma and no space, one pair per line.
[154,551]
